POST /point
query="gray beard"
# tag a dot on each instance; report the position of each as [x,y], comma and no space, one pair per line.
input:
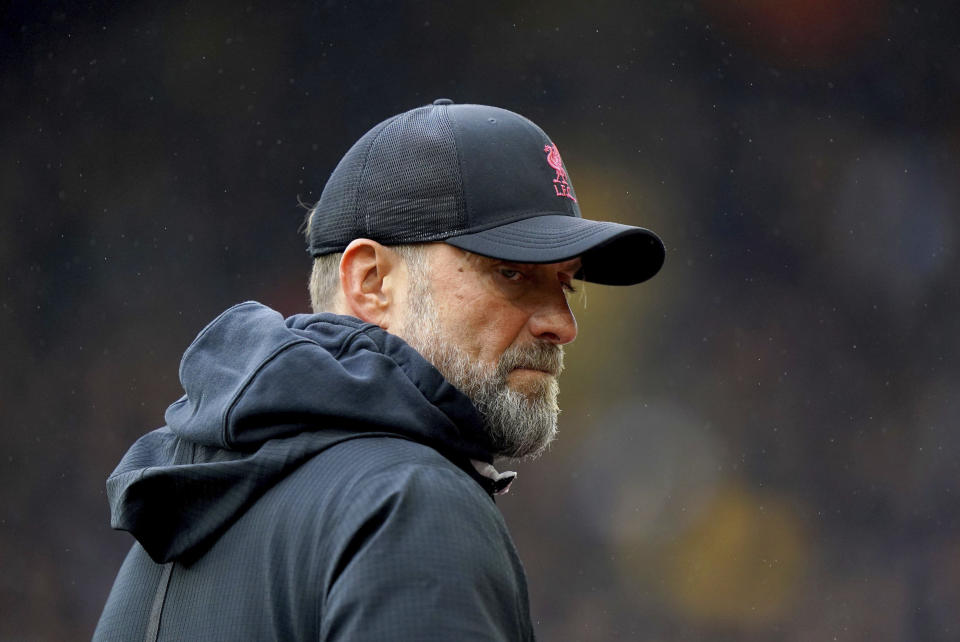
[519,425]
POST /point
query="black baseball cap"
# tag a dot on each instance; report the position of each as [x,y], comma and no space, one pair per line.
[480,178]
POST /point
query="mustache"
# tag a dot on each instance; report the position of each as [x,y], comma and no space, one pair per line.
[547,357]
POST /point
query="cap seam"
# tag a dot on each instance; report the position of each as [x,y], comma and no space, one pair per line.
[363,173]
[547,242]
[520,216]
[467,211]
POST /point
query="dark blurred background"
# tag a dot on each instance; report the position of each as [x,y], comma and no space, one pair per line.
[759,444]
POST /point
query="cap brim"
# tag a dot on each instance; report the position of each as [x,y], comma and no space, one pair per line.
[612,254]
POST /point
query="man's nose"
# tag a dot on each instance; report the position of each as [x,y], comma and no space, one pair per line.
[553,320]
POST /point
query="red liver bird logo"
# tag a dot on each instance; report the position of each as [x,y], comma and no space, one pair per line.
[560,184]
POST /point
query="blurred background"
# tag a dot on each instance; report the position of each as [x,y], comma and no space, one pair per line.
[759,444]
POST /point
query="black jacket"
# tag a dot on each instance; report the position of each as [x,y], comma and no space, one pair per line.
[314,483]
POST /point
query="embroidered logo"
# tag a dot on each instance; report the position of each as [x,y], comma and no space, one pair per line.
[560,184]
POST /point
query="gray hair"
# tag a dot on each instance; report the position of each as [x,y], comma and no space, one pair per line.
[325,276]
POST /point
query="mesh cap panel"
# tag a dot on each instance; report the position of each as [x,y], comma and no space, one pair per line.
[400,183]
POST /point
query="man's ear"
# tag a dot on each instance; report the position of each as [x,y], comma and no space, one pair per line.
[372,277]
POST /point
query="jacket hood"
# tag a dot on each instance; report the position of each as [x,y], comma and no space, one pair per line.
[263,394]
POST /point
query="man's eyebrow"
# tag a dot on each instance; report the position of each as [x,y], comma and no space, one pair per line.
[574,265]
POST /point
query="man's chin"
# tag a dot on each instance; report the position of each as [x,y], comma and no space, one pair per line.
[532,384]
[529,449]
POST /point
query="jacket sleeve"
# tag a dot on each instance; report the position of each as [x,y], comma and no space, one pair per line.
[422,553]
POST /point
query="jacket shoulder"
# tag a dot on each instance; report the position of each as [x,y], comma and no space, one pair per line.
[372,470]
[419,538]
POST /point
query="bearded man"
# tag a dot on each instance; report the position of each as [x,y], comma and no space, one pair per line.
[331,476]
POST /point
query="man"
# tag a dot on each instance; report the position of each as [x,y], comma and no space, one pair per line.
[330,476]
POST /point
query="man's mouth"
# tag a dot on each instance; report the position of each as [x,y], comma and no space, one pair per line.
[543,358]
[552,373]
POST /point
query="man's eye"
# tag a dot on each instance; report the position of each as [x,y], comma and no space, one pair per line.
[511,275]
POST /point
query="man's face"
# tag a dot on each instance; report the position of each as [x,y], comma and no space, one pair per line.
[495,330]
